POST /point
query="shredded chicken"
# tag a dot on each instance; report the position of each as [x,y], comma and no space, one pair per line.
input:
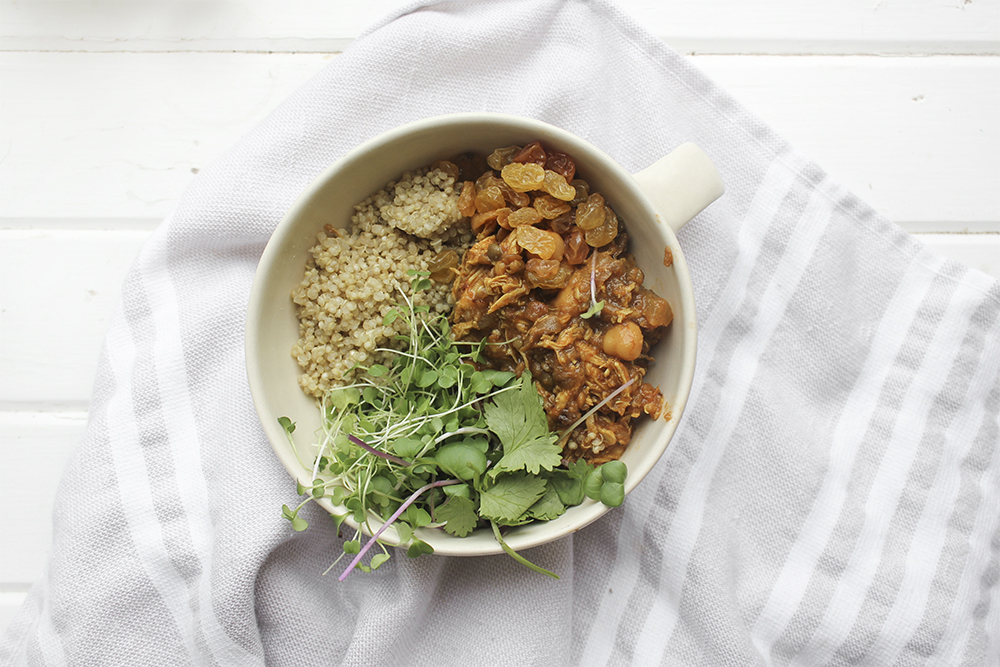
[531,308]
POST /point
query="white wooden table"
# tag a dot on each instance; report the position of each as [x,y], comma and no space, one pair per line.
[109,108]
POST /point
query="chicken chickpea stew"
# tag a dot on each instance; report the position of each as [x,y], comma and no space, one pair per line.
[551,288]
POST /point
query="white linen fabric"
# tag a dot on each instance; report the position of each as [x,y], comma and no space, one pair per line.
[832,495]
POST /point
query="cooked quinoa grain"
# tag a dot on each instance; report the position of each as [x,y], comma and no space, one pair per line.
[355,276]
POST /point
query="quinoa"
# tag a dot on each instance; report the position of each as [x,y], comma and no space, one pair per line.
[356,275]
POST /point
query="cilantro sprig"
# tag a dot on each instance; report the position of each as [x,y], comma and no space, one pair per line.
[430,441]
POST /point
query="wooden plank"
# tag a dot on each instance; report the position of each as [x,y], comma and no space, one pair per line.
[978,251]
[10,603]
[119,135]
[60,291]
[917,138]
[110,136]
[708,26]
[35,448]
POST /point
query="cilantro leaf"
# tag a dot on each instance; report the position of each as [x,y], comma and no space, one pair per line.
[459,515]
[518,419]
[570,490]
[548,507]
[579,469]
[570,484]
[510,497]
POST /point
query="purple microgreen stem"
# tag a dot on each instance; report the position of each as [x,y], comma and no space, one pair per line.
[565,434]
[593,279]
[395,515]
[377,452]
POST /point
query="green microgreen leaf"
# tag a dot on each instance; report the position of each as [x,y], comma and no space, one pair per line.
[377,370]
[418,548]
[614,471]
[417,516]
[612,494]
[463,460]
[458,490]
[427,377]
[595,309]
[407,447]
[593,483]
[338,521]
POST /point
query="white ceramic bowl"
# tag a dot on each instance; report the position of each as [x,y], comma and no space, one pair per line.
[652,203]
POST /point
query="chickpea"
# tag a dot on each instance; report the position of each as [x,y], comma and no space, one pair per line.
[624,341]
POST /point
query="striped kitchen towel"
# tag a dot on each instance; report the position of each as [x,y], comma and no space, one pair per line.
[832,495]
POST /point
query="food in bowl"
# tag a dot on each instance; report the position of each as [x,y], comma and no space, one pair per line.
[519,402]
[353,276]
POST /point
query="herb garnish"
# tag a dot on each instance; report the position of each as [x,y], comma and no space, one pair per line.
[430,441]
[595,306]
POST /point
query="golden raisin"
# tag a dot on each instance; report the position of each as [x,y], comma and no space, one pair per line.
[467,199]
[563,223]
[523,177]
[582,192]
[533,152]
[502,215]
[605,233]
[501,157]
[557,186]
[508,265]
[577,249]
[518,199]
[479,220]
[489,199]
[537,271]
[485,180]
[469,164]
[549,207]
[447,167]
[668,257]
[562,164]
[524,216]
[561,278]
[540,242]
[442,266]
[590,214]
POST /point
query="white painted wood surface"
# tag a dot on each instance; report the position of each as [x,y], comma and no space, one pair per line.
[108,108]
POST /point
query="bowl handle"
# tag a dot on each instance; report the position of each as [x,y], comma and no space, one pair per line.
[681,184]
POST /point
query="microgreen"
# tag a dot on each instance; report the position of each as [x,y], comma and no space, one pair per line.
[428,441]
[595,306]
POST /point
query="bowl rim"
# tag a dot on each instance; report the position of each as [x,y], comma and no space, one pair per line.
[521,537]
